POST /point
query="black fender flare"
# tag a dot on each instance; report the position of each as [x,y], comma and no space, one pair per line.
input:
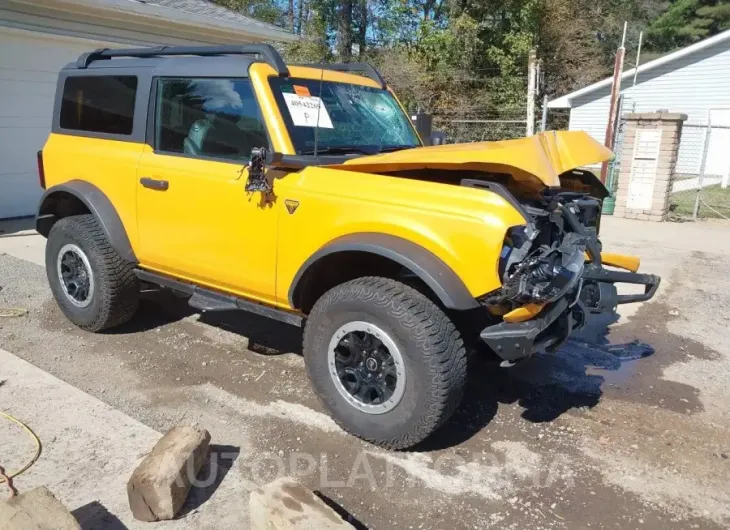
[442,280]
[100,207]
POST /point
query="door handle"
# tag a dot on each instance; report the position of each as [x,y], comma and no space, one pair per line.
[153,184]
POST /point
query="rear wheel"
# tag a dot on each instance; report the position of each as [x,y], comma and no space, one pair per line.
[386,361]
[94,286]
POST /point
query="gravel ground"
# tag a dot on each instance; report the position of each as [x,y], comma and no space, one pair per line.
[627,428]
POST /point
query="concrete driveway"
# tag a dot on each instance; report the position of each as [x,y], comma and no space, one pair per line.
[625,428]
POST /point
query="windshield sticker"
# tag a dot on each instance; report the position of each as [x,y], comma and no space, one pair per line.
[300,90]
[304,110]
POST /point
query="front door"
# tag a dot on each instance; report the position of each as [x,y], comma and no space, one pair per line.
[195,219]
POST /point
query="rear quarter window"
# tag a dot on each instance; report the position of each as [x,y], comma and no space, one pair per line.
[99,104]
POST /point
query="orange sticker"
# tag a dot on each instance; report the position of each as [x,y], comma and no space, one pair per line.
[301,90]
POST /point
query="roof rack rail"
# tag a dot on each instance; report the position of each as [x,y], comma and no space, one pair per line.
[267,52]
[358,68]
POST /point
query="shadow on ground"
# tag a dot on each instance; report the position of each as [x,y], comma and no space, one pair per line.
[95,516]
[210,477]
[546,386]
[266,336]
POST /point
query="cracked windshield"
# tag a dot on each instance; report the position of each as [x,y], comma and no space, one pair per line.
[352,119]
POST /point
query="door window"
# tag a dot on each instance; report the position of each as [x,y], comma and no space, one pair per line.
[208,117]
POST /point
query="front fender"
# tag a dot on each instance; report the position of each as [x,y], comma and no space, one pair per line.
[96,202]
[439,277]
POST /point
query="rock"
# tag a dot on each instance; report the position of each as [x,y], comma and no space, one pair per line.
[36,509]
[159,486]
[287,505]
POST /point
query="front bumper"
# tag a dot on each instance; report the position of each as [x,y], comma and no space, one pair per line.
[596,293]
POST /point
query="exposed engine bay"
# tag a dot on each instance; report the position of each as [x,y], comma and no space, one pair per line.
[544,259]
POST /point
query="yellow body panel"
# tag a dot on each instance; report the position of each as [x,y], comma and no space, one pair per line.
[526,312]
[462,226]
[109,165]
[205,227]
[546,156]
[622,261]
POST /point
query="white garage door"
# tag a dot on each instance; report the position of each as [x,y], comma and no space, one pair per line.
[29,65]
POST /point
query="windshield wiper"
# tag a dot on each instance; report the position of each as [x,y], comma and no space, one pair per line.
[390,148]
[339,149]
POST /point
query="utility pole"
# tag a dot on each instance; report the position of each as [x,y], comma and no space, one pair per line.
[531,82]
[618,67]
[636,71]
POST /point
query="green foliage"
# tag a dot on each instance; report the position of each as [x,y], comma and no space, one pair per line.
[688,21]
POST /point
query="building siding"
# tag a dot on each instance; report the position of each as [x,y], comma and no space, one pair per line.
[693,85]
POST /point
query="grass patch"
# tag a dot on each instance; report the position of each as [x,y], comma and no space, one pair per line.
[683,202]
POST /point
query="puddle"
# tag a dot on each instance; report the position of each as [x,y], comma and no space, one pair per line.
[623,362]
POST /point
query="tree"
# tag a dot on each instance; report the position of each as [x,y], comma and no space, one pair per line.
[344,30]
[688,21]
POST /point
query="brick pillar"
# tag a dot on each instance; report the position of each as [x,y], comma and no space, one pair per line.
[648,159]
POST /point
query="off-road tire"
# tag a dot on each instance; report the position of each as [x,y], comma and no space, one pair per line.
[431,347]
[116,294]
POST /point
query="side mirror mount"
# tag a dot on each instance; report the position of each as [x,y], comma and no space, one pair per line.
[437,138]
[257,181]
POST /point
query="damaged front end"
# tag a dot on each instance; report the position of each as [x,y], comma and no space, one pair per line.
[551,268]
[553,275]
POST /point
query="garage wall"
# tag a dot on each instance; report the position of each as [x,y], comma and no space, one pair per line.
[29,65]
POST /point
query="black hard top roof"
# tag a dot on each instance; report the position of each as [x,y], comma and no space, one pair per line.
[187,58]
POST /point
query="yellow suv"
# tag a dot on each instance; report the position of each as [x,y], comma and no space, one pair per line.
[304,194]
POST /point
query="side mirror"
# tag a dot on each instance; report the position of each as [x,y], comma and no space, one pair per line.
[437,138]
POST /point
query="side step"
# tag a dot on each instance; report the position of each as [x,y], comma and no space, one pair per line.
[209,300]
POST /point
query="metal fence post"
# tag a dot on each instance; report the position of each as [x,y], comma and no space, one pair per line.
[701,176]
[543,121]
[424,126]
[531,82]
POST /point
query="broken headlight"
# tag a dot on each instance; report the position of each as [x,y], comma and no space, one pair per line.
[542,274]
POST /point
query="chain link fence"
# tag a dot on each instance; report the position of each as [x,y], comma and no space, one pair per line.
[477,107]
[701,187]
[462,127]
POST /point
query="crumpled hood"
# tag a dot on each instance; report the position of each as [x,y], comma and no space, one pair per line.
[545,155]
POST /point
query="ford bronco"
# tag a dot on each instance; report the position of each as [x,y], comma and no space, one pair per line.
[304,194]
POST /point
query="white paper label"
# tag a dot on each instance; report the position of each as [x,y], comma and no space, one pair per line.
[303,110]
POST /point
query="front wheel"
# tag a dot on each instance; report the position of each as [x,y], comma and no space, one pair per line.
[386,361]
